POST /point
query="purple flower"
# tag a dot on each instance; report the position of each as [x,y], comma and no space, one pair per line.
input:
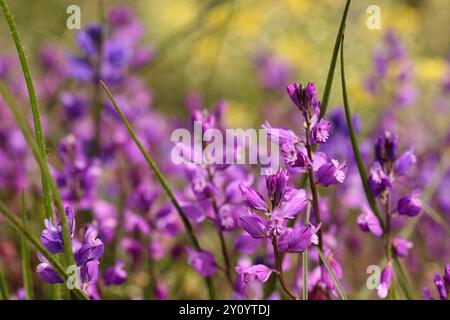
[155,250]
[258,272]
[379,182]
[385,282]
[300,238]
[386,147]
[410,205]
[74,105]
[368,222]
[91,249]
[89,272]
[51,237]
[252,198]
[280,135]
[440,286]
[89,38]
[255,225]
[305,98]
[320,132]
[46,272]
[331,173]
[405,162]
[202,261]
[276,186]
[401,246]
[295,203]
[116,274]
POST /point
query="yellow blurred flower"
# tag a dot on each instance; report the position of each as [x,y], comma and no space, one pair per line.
[431,68]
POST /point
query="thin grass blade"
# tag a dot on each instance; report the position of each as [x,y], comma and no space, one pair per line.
[333,275]
[354,142]
[160,177]
[26,266]
[337,44]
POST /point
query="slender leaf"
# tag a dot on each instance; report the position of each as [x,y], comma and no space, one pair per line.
[43,166]
[26,266]
[161,179]
[333,275]
[354,142]
[34,105]
[16,223]
[402,279]
[337,44]
[46,177]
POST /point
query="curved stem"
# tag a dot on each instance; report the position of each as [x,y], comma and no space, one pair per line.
[279,268]
[337,44]
[162,181]
[34,105]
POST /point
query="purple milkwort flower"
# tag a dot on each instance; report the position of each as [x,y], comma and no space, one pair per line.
[410,205]
[252,198]
[160,290]
[305,98]
[385,282]
[258,227]
[440,286]
[91,249]
[74,105]
[51,237]
[386,147]
[379,182]
[368,222]
[301,238]
[247,244]
[135,223]
[46,272]
[401,246]
[331,173]
[320,132]
[155,250]
[276,186]
[89,38]
[405,162]
[116,274]
[202,261]
[255,225]
[258,272]
[89,272]
[132,246]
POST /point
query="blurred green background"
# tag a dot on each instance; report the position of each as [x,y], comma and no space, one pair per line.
[208,46]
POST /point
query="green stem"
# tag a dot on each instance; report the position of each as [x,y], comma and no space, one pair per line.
[161,179]
[4,292]
[279,267]
[337,44]
[305,259]
[26,267]
[16,223]
[333,275]
[34,105]
[354,142]
[43,166]
[402,279]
